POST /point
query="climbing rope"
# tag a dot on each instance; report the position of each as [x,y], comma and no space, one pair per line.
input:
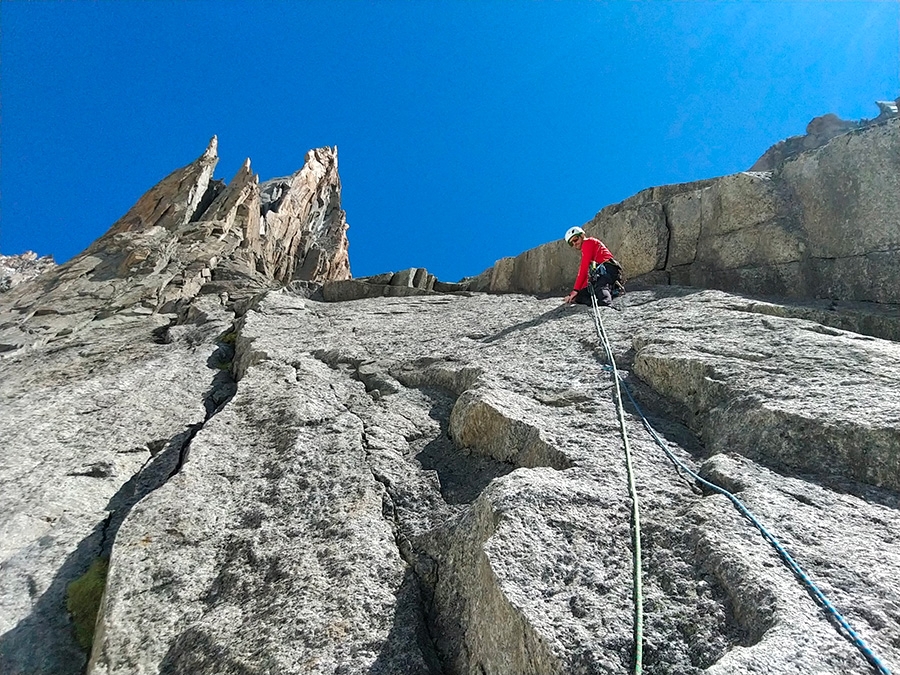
[798,571]
[632,491]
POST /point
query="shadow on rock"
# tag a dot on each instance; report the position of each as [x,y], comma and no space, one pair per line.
[463,475]
[48,624]
[196,652]
[409,647]
[555,313]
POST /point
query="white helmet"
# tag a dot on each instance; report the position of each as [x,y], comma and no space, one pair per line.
[572,231]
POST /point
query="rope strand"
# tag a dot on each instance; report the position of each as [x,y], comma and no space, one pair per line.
[632,491]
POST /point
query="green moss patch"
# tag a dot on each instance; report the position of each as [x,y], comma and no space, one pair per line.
[83,601]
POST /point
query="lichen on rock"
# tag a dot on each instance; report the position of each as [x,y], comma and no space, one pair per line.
[83,601]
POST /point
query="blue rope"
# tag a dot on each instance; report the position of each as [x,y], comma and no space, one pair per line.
[817,594]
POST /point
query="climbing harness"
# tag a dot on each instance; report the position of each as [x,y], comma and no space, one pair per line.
[612,272]
[798,571]
[632,491]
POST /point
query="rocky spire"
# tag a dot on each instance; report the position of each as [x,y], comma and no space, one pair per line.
[302,224]
[191,235]
[172,202]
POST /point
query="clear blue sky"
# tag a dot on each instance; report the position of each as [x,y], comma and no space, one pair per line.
[467,131]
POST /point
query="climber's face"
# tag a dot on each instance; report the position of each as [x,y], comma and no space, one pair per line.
[576,241]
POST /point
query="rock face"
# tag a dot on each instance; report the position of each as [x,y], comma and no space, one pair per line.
[823,224]
[430,479]
[91,423]
[436,484]
[318,249]
[14,269]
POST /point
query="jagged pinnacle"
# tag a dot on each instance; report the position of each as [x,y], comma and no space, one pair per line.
[212,149]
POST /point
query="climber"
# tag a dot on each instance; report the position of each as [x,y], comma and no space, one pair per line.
[598,269]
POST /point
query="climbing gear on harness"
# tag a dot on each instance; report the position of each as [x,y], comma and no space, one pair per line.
[798,571]
[572,232]
[610,272]
[595,271]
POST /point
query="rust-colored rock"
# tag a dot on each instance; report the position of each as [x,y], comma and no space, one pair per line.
[192,235]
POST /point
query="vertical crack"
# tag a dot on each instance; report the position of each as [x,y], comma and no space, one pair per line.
[183,447]
[669,236]
[428,478]
[422,568]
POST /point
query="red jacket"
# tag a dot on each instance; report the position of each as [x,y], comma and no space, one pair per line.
[592,250]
